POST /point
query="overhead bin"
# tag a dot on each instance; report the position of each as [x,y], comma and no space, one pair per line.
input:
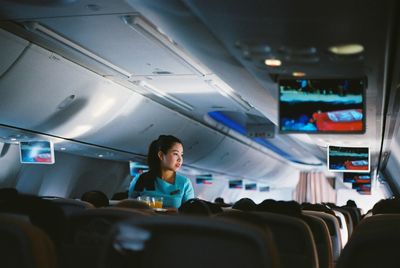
[11,47]
[198,141]
[61,95]
[140,44]
[225,156]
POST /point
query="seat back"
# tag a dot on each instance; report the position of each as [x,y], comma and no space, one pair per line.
[23,245]
[344,233]
[322,240]
[87,233]
[374,243]
[334,230]
[180,242]
[294,240]
[349,220]
[42,213]
[71,206]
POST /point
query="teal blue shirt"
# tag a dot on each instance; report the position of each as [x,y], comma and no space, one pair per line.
[173,194]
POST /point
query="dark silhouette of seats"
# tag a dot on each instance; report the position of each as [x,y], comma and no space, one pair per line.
[322,240]
[333,228]
[245,204]
[374,243]
[349,220]
[70,206]
[317,226]
[199,207]
[87,232]
[42,213]
[180,242]
[292,236]
[354,213]
[23,245]
[96,198]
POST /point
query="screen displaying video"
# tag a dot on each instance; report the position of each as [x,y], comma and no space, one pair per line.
[250,186]
[264,188]
[356,177]
[322,105]
[137,168]
[362,188]
[36,152]
[354,159]
[204,179]
[236,184]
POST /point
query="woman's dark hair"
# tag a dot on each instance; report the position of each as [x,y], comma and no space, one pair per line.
[163,144]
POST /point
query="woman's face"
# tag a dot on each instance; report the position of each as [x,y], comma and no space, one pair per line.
[173,159]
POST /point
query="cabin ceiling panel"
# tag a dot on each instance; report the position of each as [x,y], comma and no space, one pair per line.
[11,47]
[122,46]
[284,26]
[188,31]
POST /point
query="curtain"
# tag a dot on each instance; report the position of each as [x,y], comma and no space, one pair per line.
[314,187]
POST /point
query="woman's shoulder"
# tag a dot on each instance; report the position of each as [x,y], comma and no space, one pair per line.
[181,179]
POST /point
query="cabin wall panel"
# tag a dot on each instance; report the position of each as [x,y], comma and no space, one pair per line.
[9,166]
[70,176]
[393,169]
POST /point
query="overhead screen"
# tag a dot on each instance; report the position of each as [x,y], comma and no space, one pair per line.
[348,159]
[361,182]
[236,184]
[36,152]
[351,177]
[322,105]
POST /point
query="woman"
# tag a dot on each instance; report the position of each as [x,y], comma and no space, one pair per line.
[164,158]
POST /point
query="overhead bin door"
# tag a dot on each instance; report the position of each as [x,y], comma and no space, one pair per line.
[11,47]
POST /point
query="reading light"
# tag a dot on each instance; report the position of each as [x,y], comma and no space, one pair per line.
[35,26]
[349,49]
[63,148]
[298,74]
[151,32]
[273,62]
[164,96]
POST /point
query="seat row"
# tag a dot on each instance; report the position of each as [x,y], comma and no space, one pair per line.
[122,237]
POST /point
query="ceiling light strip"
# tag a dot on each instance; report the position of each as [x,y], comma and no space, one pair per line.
[165,96]
[35,26]
[149,31]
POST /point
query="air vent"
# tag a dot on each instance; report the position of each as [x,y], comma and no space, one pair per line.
[162,72]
